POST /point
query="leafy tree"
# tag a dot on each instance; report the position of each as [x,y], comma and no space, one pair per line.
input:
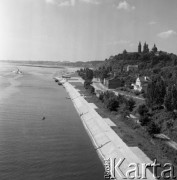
[108,95]
[104,74]
[124,111]
[174,97]
[156,91]
[142,110]
[101,97]
[92,90]
[87,84]
[121,99]
[168,100]
[89,74]
[145,120]
[153,128]
[130,104]
[112,104]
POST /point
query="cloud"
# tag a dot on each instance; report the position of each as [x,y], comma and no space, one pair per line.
[61,3]
[91,1]
[167,34]
[152,23]
[50,1]
[124,5]
[67,3]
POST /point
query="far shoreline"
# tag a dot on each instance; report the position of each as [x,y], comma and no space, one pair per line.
[42,66]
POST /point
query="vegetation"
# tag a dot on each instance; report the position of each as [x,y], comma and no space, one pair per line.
[158,114]
[160,95]
[86,74]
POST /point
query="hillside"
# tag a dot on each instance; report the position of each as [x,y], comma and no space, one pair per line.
[147,62]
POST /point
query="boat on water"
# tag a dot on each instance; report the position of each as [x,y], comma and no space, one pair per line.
[59,83]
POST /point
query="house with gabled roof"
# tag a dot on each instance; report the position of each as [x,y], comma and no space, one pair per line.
[141,83]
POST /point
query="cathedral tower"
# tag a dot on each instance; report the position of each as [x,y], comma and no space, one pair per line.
[139,47]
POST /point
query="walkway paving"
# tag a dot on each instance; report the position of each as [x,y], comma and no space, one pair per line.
[107,143]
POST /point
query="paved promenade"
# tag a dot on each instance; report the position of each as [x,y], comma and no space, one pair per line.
[106,142]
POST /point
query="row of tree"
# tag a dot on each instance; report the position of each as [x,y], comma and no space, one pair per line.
[117,103]
[86,74]
[159,94]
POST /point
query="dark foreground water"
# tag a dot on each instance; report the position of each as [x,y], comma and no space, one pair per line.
[35,149]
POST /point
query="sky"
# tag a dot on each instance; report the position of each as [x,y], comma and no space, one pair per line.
[84,30]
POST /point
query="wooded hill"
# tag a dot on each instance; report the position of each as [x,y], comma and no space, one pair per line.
[147,62]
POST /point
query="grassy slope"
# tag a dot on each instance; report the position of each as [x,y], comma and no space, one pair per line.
[130,132]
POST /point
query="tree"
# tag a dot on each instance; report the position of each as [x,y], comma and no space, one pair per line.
[121,99]
[87,84]
[130,103]
[112,104]
[142,110]
[89,74]
[174,97]
[92,90]
[168,100]
[145,120]
[153,128]
[156,91]
[108,95]
[104,74]
[101,97]
[124,110]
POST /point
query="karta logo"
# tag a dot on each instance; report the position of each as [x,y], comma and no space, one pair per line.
[136,170]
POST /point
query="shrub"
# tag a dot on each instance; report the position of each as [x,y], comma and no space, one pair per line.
[142,110]
[169,124]
[112,104]
[144,95]
[87,84]
[152,128]
[92,90]
[124,110]
[130,104]
[121,99]
[101,97]
[137,93]
[107,95]
[145,120]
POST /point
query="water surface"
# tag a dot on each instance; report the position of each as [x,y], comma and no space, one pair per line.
[35,149]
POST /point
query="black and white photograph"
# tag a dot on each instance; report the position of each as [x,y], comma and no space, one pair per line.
[88,89]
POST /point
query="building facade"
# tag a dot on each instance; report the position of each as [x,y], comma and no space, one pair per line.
[113,83]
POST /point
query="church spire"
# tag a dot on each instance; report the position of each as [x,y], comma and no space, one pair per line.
[139,47]
[144,47]
[154,49]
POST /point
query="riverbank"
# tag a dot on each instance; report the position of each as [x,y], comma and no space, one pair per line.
[106,142]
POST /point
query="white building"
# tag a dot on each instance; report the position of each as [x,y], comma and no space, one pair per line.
[141,83]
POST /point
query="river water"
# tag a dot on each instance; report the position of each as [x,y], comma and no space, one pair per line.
[35,149]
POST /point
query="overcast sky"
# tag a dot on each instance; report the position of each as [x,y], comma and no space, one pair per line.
[73,30]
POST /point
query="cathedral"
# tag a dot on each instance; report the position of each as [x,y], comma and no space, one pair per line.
[146,48]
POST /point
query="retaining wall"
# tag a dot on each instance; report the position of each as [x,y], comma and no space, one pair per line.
[106,142]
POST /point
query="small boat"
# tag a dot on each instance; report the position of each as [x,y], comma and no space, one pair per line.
[59,83]
[43,118]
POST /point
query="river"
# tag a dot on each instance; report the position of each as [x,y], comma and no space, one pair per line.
[57,147]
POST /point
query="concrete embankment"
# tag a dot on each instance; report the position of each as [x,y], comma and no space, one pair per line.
[106,142]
